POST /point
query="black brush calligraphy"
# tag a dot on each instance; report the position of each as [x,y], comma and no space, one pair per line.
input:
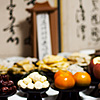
[11,26]
[80,19]
[95,21]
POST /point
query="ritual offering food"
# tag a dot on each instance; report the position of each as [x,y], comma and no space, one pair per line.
[82,79]
[75,68]
[34,81]
[94,67]
[6,86]
[53,63]
[3,69]
[80,59]
[21,67]
[64,80]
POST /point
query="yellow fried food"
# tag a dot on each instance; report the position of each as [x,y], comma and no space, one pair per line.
[3,69]
[79,58]
[49,59]
[61,65]
[28,67]
[22,62]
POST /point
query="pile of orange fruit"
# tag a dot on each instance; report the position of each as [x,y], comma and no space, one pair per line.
[65,80]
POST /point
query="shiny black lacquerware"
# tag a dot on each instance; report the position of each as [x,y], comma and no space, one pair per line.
[7,87]
[69,94]
[34,94]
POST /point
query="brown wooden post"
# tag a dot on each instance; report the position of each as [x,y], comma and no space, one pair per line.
[52,11]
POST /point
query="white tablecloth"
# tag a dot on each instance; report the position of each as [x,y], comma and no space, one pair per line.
[52,95]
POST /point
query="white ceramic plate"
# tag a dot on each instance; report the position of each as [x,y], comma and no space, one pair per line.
[64,54]
[52,92]
[87,51]
[15,59]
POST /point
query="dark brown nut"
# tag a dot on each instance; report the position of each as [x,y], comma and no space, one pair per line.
[11,82]
[5,77]
[0,77]
[5,89]
[99,86]
[5,83]
[10,89]
[0,90]
[14,88]
[1,81]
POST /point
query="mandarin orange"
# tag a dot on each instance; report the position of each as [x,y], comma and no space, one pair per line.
[64,81]
[60,72]
[82,79]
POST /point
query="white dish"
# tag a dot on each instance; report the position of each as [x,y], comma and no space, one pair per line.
[14,59]
[87,51]
[9,62]
[52,92]
[64,54]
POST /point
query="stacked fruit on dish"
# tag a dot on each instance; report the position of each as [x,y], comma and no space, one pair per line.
[34,81]
[66,80]
[19,69]
[6,86]
[55,63]
[94,67]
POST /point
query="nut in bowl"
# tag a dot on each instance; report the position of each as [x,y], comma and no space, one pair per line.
[7,87]
[34,82]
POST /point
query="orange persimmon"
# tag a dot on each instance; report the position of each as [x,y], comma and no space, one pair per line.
[82,79]
[60,72]
[64,81]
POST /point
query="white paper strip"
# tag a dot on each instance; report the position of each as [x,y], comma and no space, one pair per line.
[43,34]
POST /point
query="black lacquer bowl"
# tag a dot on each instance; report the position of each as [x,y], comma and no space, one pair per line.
[93,90]
[74,89]
[34,94]
[69,94]
[4,96]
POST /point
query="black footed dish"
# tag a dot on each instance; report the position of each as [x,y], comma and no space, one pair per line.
[69,94]
[34,94]
[7,87]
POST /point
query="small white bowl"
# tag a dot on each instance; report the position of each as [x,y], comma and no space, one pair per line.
[87,51]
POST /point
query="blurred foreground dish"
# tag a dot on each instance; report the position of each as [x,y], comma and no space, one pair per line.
[94,67]
[34,81]
[3,69]
[21,67]
[65,80]
[6,86]
[53,63]
[80,59]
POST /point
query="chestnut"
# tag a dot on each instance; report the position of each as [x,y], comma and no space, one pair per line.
[5,77]
[5,89]
[1,81]
[13,88]
[5,83]
[0,77]
[0,90]
[10,82]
